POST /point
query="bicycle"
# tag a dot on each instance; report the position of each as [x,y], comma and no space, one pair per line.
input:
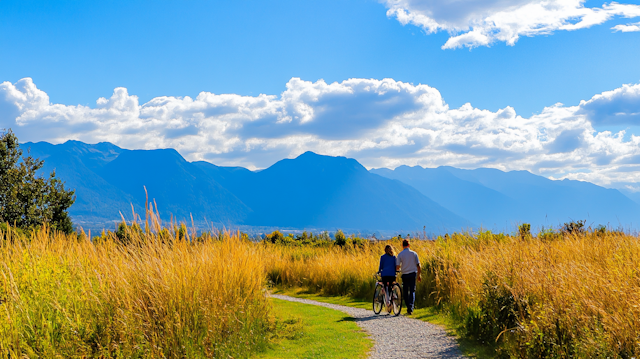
[392,300]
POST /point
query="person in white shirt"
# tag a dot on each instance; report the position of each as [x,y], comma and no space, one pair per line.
[408,263]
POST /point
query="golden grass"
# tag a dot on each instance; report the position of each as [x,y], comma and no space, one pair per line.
[570,296]
[154,297]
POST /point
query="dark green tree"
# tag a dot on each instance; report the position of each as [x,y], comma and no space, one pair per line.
[27,199]
[341,239]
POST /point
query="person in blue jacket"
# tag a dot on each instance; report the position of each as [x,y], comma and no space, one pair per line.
[387,268]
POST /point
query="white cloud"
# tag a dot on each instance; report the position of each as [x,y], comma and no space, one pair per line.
[618,107]
[627,28]
[473,23]
[379,122]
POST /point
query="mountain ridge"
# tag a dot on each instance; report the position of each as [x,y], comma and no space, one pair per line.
[316,191]
[520,196]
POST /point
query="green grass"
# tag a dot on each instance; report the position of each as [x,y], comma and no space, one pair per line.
[430,314]
[309,331]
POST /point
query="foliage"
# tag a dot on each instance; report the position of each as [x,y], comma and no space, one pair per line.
[303,239]
[574,227]
[341,239]
[524,230]
[125,234]
[548,234]
[68,298]
[274,237]
[26,199]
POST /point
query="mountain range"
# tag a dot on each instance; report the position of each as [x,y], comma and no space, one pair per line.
[320,192]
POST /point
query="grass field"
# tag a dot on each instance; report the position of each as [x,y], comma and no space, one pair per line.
[166,292]
[553,295]
[309,331]
[140,295]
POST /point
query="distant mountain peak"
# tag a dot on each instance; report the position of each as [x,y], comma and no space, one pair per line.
[313,155]
[311,160]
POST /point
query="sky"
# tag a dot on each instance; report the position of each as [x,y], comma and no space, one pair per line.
[549,86]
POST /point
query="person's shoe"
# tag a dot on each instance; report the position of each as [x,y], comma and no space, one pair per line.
[409,312]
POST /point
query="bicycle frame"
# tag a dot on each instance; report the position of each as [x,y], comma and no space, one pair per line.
[387,297]
[383,298]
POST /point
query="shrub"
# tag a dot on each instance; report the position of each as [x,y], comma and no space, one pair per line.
[498,311]
[524,230]
[125,233]
[341,239]
[548,234]
[357,242]
[574,227]
[274,237]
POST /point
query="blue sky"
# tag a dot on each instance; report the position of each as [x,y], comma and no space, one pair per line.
[76,52]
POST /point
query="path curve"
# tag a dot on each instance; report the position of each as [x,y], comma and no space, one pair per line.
[396,337]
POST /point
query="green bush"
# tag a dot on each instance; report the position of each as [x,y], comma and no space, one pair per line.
[274,237]
[548,234]
[572,227]
[341,239]
[126,233]
[524,230]
[498,312]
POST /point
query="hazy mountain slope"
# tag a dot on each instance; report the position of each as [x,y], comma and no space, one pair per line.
[91,156]
[333,192]
[501,200]
[547,202]
[96,199]
[179,188]
[231,178]
[481,205]
[634,196]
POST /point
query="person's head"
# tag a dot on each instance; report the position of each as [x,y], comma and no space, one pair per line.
[388,249]
[405,244]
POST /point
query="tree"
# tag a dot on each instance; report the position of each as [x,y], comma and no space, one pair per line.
[27,199]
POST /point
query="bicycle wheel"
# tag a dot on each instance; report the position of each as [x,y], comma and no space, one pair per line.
[378,299]
[396,299]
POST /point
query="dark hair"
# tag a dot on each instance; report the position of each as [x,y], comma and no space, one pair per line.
[405,243]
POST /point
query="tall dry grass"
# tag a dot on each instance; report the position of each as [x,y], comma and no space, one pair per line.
[562,296]
[157,296]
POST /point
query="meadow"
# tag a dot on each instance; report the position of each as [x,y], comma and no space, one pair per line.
[170,292]
[139,294]
[557,295]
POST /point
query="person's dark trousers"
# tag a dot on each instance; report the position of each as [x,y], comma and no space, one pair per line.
[409,290]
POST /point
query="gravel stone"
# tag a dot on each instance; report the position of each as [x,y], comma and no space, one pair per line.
[396,337]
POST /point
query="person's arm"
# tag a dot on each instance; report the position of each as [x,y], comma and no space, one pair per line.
[380,266]
[419,268]
[397,263]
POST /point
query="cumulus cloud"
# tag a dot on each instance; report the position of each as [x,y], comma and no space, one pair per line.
[473,23]
[618,107]
[627,28]
[382,123]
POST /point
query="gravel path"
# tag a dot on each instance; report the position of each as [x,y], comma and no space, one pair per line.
[396,337]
